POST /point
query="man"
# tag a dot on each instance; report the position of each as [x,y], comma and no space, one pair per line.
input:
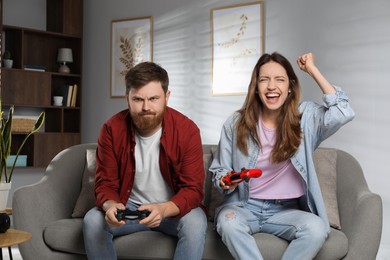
[149,157]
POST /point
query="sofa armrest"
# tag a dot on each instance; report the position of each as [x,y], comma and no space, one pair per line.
[360,210]
[52,198]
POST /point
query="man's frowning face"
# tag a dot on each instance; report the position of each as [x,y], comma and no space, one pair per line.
[147,106]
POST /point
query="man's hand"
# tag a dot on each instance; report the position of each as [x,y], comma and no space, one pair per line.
[158,212]
[110,207]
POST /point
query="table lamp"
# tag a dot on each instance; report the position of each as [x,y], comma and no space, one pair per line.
[64,56]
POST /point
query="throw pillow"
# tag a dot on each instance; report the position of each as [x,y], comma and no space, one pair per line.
[215,198]
[325,165]
[86,199]
[207,158]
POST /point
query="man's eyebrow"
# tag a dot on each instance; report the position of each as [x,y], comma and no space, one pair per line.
[141,97]
[136,96]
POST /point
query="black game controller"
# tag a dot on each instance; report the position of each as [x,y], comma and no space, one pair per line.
[131,214]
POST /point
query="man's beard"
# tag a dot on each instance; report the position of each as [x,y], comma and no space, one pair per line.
[147,123]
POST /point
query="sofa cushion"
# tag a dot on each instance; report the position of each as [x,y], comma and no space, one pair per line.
[86,199]
[66,235]
[335,247]
[272,247]
[325,163]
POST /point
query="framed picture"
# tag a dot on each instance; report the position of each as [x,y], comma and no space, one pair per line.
[237,41]
[131,43]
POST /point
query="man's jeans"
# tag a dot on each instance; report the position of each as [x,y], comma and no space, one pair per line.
[189,229]
[282,218]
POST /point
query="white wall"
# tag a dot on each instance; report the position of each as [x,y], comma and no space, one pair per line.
[181,45]
[350,38]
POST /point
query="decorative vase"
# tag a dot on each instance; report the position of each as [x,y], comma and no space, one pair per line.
[5,222]
[4,191]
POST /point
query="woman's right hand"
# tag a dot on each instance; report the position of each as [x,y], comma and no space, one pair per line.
[306,63]
[224,186]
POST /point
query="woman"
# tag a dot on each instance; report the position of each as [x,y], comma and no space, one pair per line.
[276,134]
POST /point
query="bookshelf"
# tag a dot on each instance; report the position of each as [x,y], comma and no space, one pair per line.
[33,90]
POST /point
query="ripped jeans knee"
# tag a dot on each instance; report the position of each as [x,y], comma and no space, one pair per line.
[236,225]
[230,215]
[236,219]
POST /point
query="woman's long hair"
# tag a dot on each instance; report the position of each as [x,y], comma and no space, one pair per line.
[288,132]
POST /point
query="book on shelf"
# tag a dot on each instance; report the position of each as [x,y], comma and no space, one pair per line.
[69,93]
[34,67]
[74,96]
[69,99]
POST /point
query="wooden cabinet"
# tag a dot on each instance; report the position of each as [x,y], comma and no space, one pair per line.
[65,16]
[34,90]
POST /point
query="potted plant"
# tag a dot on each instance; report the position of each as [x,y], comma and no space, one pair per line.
[7,61]
[6,171]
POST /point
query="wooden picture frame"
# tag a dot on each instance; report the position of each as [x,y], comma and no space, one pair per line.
[237,39]
[131,43]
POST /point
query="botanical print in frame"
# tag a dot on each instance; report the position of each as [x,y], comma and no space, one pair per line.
[131,43]
[237,43]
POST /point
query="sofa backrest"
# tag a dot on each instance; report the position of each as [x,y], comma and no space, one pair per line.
[325,161]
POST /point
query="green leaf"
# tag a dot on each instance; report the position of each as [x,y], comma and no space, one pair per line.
[6,140]
[38,124]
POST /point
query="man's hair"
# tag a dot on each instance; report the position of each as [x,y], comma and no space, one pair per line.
[288,132]
[144,73]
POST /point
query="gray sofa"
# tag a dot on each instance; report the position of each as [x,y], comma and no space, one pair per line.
[45,210]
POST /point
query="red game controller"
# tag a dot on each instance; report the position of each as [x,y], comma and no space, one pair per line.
[244,175]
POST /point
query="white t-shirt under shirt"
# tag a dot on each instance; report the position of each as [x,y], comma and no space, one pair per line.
[149,185]
[278,181]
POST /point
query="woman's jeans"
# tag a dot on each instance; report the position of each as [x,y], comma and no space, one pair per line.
[189,229]
[282,218]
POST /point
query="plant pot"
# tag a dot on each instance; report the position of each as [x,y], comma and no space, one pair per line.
[5,187]
[8,63]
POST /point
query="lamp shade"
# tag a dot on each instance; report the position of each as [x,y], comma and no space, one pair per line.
[65,55]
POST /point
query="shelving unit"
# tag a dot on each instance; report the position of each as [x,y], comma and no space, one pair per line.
[34,90]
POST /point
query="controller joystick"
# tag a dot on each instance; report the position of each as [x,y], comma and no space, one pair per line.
[131,214]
